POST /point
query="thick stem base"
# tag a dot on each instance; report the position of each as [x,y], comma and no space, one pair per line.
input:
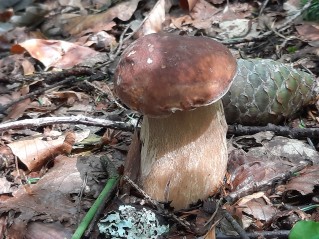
[184,156]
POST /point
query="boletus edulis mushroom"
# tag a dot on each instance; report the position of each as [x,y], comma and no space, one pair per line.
[176,82]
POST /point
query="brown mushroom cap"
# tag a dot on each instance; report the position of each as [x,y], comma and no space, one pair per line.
[160,73]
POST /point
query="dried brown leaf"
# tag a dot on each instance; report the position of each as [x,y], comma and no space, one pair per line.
[155,19]
[308,31]
[37,152]
[19,108]
[247,170]
[58,54]
[123,11]
[69,96]
[259,209]
[5,15]
[306,180]
[28,67]
[39,230]
[200,17]
[53,189]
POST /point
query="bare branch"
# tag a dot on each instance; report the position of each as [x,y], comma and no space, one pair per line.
[79,119]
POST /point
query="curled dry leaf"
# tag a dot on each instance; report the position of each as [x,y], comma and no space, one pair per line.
[35,153]
[155,19]
[58,54]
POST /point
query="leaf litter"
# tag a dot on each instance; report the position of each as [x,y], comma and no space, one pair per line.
[264,188]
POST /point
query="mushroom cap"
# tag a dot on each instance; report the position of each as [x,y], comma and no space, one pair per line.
[161,73]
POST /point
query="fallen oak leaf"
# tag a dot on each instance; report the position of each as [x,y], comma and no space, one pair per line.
[56,53]
[37,152]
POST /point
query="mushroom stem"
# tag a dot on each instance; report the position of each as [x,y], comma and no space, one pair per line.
[184,156]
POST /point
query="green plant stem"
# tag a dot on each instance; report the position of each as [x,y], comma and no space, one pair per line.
[110,184]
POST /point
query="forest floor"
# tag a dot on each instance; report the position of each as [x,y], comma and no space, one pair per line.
[64,132]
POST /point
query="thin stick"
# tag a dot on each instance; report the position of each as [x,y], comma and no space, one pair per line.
[277,129]
[3,108]
[180,221]
[109,93]
[121,41]
[258,186]
[283,234]
[241,232]
[265,3]
[79,119]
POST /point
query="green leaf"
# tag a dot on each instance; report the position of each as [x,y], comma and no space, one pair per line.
[292,49]
[305,230]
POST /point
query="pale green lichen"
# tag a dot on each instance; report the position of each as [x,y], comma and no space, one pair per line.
[130,223]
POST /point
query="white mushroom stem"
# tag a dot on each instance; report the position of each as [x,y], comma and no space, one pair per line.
[184,156]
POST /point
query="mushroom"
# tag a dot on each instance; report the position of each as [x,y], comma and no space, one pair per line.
[176,82]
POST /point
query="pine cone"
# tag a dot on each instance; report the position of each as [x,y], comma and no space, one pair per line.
[266,91]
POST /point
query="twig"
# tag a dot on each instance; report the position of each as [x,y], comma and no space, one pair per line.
[80,195]
[278,130]
[288,22]
[180,221]
[213,215]
[86,120]
[108,93]
[79,119]
[3,108]
[121,41]
[281,234]
[52,77]
[263,7]
[241,232]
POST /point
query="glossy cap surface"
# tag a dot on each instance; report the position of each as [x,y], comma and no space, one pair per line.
[161,73]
